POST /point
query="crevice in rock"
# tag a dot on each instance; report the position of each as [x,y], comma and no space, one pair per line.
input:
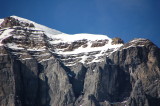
[76,79]
[43,98]
[19,85]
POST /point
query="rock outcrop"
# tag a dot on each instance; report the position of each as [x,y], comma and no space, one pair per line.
[10,22]
[117,41]
[39,70]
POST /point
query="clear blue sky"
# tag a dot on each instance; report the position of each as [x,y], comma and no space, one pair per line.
[126,19]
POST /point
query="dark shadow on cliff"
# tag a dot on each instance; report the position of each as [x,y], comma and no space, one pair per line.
[29,87]
[77,80]
[43,91]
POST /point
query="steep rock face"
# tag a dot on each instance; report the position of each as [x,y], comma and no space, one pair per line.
[29,83]
[57,90]
[38,68]
[26,82]
[142,62]
[126,78]
[7,82]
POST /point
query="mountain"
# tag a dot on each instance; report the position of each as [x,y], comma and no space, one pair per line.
[40,66]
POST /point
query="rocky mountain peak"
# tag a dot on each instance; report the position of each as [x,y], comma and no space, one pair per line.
[40,66]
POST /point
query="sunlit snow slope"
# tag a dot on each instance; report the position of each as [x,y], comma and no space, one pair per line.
[85,48]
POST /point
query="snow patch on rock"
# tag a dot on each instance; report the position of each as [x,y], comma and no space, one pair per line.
[5,34]
[39,26]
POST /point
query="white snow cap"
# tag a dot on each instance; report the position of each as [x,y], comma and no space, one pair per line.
[75,37]
[90,38]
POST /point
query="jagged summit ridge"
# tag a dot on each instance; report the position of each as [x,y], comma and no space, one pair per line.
[70,49]
[22,34]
